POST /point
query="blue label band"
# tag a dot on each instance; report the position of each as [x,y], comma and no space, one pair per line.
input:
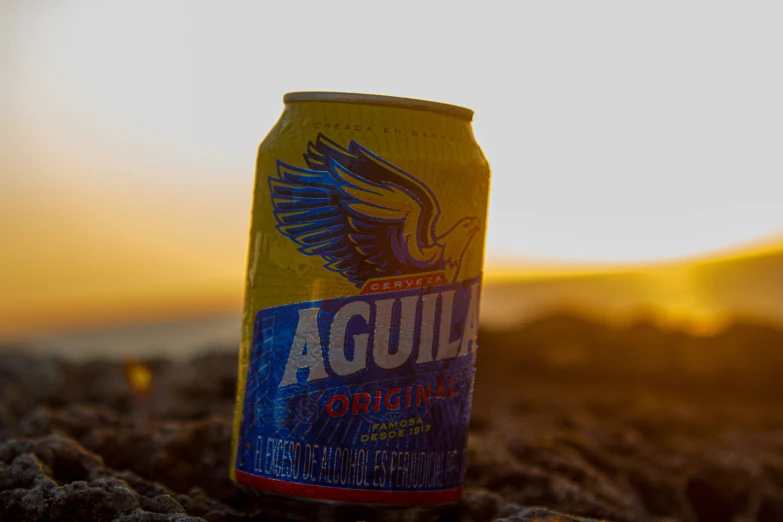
[363,395]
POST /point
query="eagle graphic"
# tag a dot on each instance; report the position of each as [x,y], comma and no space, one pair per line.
[364,216]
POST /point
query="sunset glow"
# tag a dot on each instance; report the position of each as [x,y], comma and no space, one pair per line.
[700,295]
[128,162]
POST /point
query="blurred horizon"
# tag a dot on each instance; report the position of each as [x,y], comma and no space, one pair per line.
[700,295]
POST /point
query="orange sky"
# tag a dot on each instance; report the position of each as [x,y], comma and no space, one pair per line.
[83,261]
[69,285]
[80,246]
[127,167]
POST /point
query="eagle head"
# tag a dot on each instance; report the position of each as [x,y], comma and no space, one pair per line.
[455,242]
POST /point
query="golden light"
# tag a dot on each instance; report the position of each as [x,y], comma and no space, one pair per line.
[129,153]
[700,296]
[139,376]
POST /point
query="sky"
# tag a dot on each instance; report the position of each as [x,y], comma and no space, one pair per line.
[618,132]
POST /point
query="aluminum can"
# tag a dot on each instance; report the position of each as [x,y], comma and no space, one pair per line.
[361,309]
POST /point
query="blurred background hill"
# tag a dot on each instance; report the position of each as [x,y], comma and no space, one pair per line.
[700,295]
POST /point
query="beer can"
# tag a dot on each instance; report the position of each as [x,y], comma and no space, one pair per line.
[361,310]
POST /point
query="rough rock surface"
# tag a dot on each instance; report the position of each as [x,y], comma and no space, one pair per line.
[569,417]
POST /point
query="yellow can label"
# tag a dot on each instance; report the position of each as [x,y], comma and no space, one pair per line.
[361,306]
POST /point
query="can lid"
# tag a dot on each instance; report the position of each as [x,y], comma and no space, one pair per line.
[377,99]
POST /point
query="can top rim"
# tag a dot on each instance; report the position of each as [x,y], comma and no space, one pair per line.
[377,99]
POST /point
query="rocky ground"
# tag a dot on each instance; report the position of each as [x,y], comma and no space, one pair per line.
[570,416]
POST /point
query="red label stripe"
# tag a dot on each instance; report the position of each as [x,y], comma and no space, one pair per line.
[411,498]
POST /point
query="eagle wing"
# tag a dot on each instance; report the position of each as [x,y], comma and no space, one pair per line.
[365,217]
